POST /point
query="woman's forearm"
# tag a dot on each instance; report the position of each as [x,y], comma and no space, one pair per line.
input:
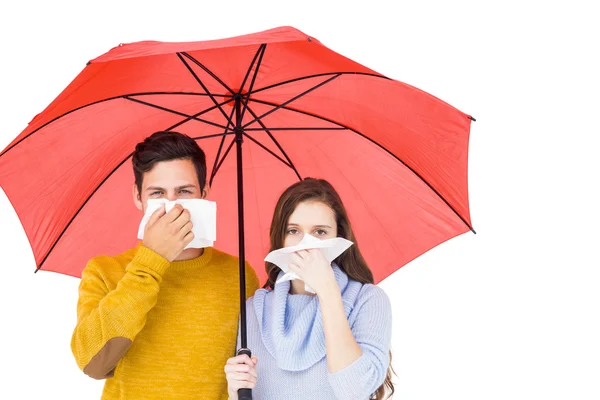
[342,349]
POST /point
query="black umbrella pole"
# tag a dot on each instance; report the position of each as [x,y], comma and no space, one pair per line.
[243,394]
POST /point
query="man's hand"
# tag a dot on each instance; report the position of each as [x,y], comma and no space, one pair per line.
[167,234]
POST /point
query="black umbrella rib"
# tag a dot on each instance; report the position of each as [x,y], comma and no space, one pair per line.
[89,198]
[266,149]
[270,103]
[316,76]
[222,160]
[376,144]
[296,129]
[102,101]
[183,121]
[292,99]
[214,168]
[261,50]
[78,211]
[174,112]
[182,93]
[215,135]
[208,71]
[291,164]
[191,71]
[92,194]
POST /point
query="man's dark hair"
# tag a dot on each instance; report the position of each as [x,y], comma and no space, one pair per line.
[167,146]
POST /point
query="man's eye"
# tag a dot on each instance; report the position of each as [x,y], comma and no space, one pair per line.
[155,193]
[184,191]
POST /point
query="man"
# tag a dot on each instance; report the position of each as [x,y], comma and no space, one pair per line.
[158,321]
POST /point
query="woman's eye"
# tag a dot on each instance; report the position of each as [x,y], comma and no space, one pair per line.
[292,231]
[321,232]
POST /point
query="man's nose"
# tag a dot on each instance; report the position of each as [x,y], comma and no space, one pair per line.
[171,196]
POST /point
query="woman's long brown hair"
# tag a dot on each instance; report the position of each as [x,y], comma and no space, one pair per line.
[351,261]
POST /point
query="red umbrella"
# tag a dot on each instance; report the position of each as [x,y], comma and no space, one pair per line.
[397,155]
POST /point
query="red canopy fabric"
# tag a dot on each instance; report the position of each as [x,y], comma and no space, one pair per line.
[397,155]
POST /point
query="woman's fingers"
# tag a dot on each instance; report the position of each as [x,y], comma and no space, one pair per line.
[241,376]
[296,259]
[236,382]
[241,359]
[241,368]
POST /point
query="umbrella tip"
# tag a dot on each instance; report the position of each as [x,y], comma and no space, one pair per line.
[472,119]
[88,63]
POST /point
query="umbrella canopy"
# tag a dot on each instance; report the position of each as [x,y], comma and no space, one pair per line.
[397,155]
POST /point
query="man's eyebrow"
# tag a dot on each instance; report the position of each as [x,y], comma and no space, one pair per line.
[186,186]
[158,188]
[154,188]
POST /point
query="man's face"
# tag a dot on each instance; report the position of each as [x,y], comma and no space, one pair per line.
[172,180]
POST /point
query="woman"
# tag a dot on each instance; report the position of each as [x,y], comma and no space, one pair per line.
[330,345]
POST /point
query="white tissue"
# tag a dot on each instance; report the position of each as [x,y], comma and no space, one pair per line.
[203,215]
[331,249]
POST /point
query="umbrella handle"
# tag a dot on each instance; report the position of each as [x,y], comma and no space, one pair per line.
[245,394]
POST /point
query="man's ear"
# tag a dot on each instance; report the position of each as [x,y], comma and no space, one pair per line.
[137,199]
[205,191]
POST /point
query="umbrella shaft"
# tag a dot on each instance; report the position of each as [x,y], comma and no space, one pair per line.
[240,191]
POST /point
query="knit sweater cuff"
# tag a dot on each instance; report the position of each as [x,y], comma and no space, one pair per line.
[151,260]
[354,381]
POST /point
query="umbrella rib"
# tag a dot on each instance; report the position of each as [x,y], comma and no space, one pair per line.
[191,71]
[91,195]
[78,211]
[222,160]
[185,93]
[291,164]
[378,145]
[316,76]
[208,71]
[292,99]
[269,103]
[297,129]
[173,112]
[266,149]
[183,121]
[262,50]
[212,174]
[223,135]
[102,101]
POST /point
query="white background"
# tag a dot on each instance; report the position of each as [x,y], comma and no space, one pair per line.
[509,313]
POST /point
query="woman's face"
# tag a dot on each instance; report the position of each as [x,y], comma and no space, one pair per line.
[310,218]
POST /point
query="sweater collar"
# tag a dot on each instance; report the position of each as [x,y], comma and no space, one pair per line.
[291,326]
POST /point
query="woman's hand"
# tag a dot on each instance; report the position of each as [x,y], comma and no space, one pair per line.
[314,269]
[241,374]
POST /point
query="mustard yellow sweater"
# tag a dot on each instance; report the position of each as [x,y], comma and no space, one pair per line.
[159,330]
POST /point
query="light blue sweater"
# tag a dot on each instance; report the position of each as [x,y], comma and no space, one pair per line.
[286,333]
